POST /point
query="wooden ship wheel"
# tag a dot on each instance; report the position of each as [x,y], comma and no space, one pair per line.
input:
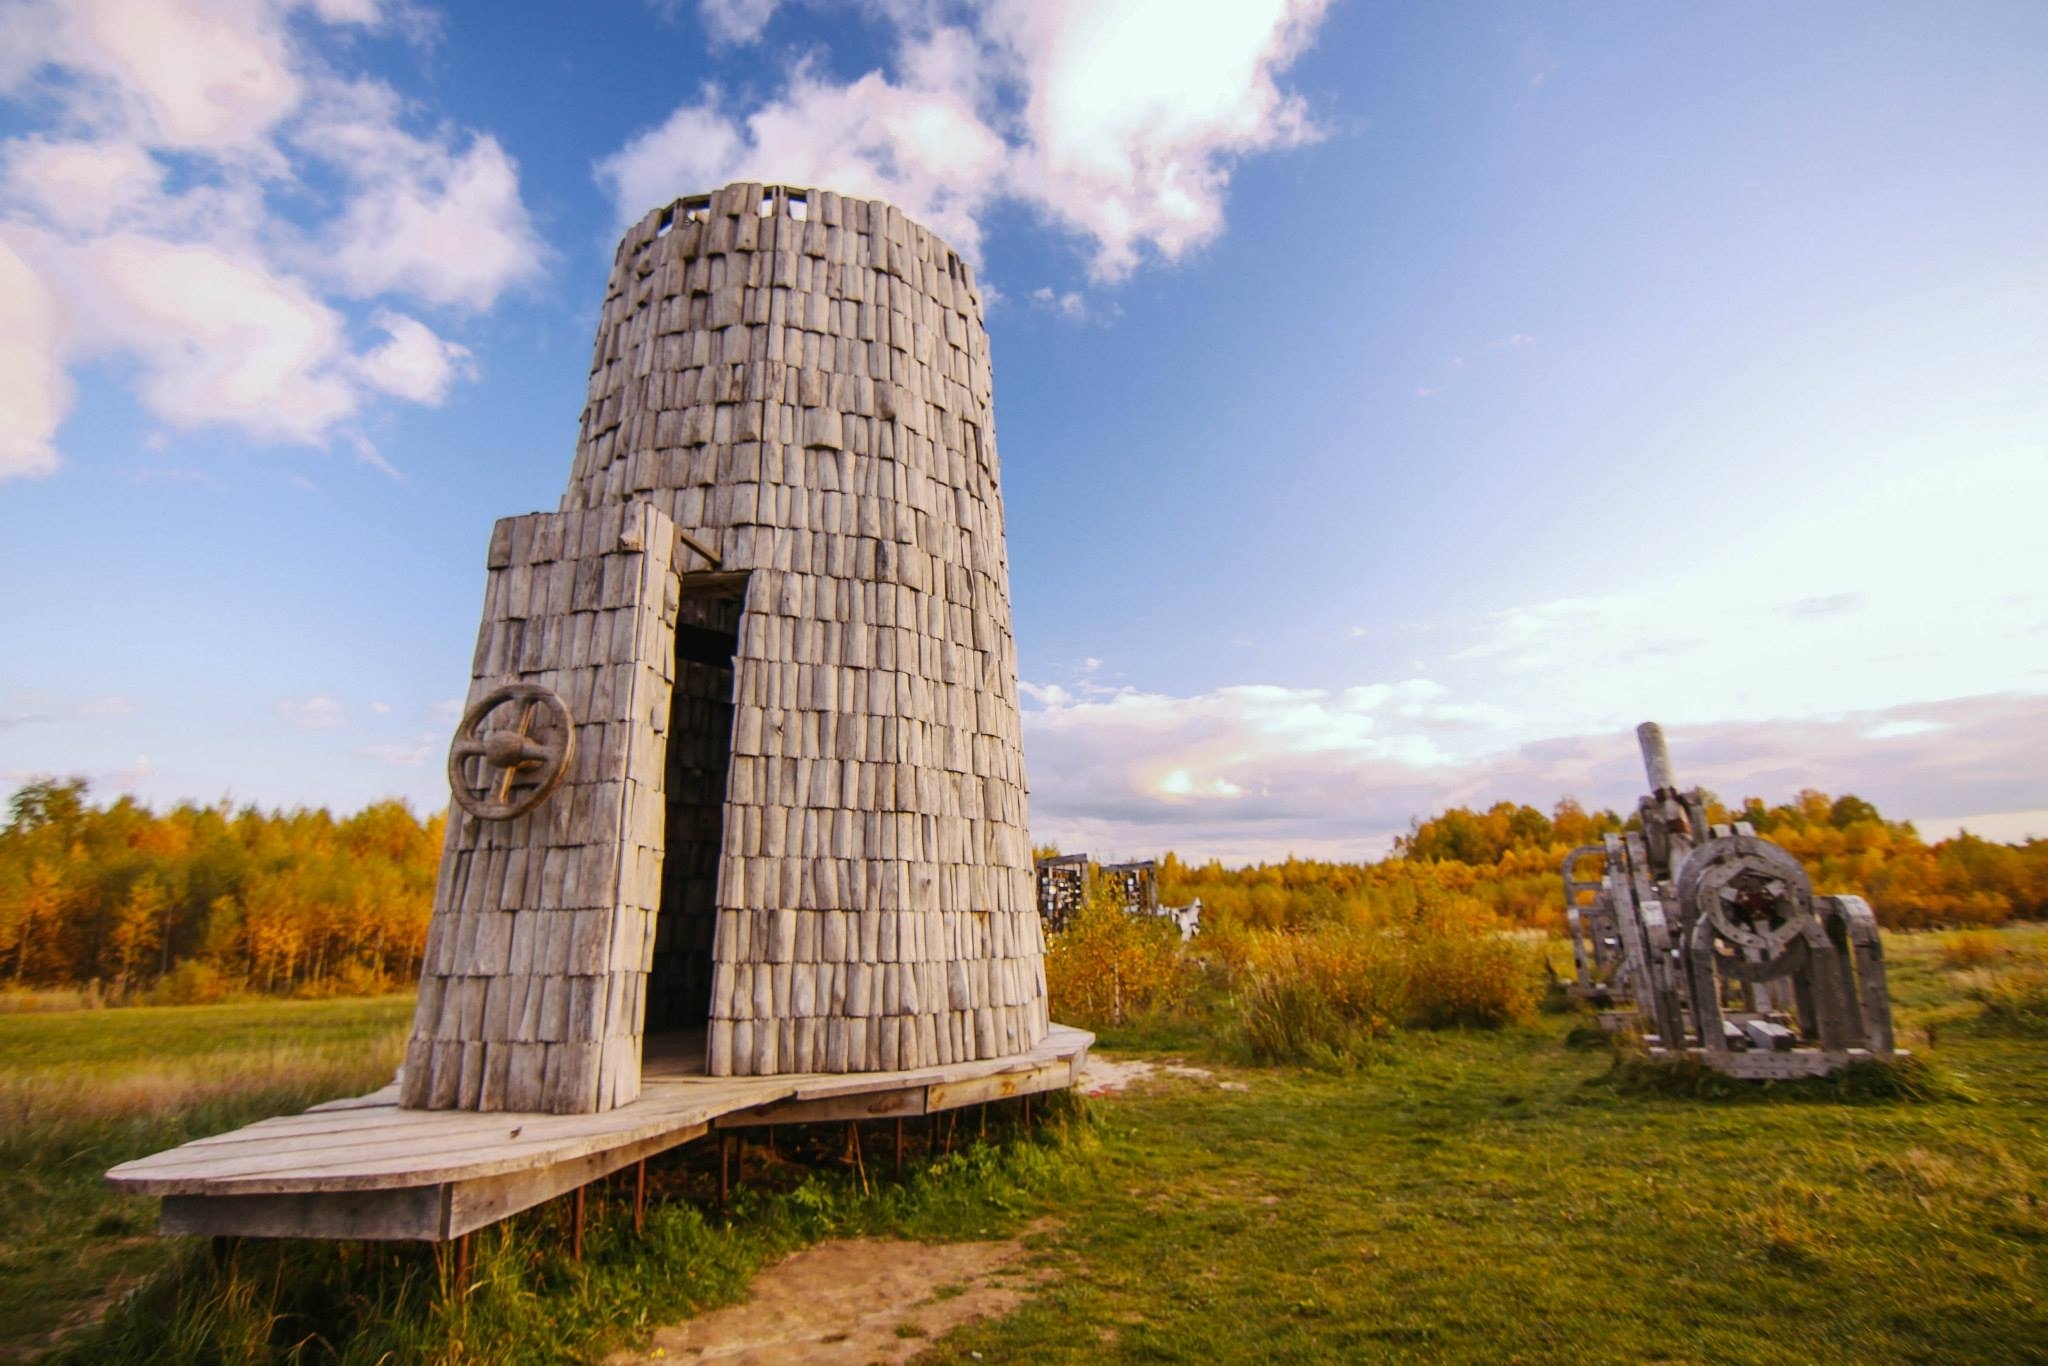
[522,762]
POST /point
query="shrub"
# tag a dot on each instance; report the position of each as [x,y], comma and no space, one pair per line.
[1108,966]
[2015,1001]
[1468,979]
[1318,998]
[193,982]
[1970,949]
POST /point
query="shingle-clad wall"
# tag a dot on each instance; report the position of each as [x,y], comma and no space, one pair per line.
[531,989]
[801,381]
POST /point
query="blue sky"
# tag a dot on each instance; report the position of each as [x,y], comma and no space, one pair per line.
[1397,403]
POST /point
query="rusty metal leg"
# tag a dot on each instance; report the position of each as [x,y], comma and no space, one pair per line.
[576,1230]
[223,1249]
[853,1146]
[462,1264]
[724,1170]
[899,1149]
[639,1197]
[1027,1114]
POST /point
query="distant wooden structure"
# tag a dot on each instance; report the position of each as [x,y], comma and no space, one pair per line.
[739,788]
[1065,880]
[1062,888]
[1715,937]
[1137,885]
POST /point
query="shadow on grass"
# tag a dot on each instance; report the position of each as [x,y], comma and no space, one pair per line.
[1910,1078]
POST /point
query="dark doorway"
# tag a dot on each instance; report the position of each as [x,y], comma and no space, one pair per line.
[699,756]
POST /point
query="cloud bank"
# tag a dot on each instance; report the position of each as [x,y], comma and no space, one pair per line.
[1117,120]
[1253,773]
[205,198]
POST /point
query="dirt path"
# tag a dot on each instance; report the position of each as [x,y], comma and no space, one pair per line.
[855,1301]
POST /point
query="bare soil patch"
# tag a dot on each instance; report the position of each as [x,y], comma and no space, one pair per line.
[1107,1076]
[854,1301]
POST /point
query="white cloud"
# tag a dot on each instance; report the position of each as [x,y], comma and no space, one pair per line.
[1118,121]
[1923,585]
[318,712]
[412,753]
[82,185]
[1135,110]
[184,219]
[1071,305]
[2003,827]
[129,778]
[221,340]
[367,13]
[925,150]
[1893,730]
[736,21]
[184,74]
[415,363]
[35,708]
[1253,772]
[33,387]
[425,218]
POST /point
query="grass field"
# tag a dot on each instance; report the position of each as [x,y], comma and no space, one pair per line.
[82,1090]
[1502,1196]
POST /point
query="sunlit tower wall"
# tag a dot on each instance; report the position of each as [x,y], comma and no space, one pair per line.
[801,382]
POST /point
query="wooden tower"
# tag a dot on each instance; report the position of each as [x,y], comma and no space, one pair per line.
[741,768]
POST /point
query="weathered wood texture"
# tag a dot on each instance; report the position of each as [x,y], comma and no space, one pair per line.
[776,603]
[809,398]
[537,953]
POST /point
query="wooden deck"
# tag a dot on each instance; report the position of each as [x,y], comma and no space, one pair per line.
[365,1168]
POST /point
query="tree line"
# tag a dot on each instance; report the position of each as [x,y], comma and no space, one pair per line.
[201,901]
[1507,859]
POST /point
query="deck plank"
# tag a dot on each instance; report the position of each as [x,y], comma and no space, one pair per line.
[369,1144]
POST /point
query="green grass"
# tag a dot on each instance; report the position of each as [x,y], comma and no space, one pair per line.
[83,1090]
[1500,1197]
[1509,1195]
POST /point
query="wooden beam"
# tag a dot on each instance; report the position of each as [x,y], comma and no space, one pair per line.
[412,1214]
[831,1109]
[1055,1077]
[473,1204]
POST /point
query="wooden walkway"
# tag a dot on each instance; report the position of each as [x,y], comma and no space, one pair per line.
[365,1168]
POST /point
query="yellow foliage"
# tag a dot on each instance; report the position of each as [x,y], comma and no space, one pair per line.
[1970,949]
[1108,966]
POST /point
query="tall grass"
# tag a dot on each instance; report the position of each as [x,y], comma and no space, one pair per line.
[1971,949]
[1322,998]
[2014,1001]
[83,1090]
[1321,994]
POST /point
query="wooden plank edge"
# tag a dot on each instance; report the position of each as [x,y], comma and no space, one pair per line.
[429,1212]
[1054,1076]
